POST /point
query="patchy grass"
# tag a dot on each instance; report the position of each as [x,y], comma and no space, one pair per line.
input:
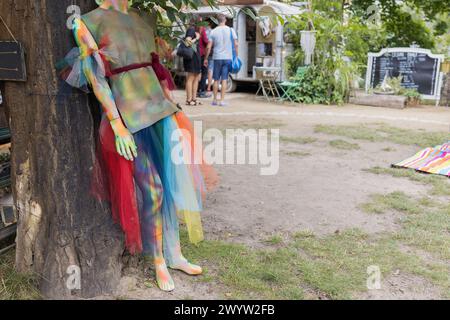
[13,285]
[344,145]
[254,124]
[274,240]
[250,274]
[426,223]
[440,184]
[384,133]
[265,124]
[334,266]
[299,154]
[337,264]
[298,140]
[428,231]
[397,200]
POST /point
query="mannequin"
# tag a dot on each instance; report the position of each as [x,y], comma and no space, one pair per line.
[114,58]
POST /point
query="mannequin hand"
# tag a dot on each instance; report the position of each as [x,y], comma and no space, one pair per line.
[125,145]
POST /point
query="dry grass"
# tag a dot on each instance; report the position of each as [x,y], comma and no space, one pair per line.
[13,285]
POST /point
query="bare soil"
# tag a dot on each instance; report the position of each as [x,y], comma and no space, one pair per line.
[318,187]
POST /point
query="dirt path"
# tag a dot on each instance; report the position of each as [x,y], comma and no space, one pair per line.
[318,188]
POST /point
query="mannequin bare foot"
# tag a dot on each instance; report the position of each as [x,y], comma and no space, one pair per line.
[183,265]
[163,278]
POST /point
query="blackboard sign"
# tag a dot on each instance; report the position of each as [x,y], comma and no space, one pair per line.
[12,61]
[419,68]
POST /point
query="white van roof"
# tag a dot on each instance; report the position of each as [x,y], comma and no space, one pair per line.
[279,7]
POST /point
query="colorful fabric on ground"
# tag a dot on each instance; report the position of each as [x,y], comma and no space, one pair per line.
[432,160]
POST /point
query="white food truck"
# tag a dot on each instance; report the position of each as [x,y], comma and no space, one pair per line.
[262,41]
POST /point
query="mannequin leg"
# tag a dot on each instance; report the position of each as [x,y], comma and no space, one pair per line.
[150,185]
[171,241]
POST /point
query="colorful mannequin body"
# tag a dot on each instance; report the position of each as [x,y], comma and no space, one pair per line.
[141,119]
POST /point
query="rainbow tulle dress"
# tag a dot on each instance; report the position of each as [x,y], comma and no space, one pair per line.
[177,189]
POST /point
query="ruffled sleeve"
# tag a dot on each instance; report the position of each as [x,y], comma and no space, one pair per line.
[86,60]
[88,65]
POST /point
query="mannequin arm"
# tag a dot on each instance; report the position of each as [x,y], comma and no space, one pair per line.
[124,140]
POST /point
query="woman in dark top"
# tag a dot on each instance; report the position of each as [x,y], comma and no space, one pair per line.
[192,66]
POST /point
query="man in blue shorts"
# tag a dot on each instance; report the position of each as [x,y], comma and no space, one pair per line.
[220,39]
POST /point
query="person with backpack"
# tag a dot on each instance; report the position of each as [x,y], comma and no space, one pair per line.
[193,65]
[224,40]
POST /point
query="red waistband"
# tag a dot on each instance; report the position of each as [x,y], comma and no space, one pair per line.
[129,68]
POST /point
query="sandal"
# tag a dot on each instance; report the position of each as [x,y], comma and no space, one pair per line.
[197,103]
[191,103]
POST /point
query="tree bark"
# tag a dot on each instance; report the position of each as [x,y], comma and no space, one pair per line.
[53,137]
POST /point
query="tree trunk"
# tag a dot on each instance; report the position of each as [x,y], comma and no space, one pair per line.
[60,224]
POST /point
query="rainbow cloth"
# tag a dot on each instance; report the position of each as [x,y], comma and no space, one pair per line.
[432,160]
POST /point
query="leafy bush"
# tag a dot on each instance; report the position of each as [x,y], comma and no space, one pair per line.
[408,21]
[413,96]
[329,79]
[312,86]
[362,38]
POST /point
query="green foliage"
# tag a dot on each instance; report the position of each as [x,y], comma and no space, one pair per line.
[395,83]
[402,24]
[388,7]
[311,86]
[412,95]
[405,31]
[332,8]
[405,20]
[329,79]
[395,87]
[169,12]
[173,9]
[362,38]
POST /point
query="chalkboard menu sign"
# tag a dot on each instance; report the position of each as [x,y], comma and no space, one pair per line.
[419,68]
[12,61]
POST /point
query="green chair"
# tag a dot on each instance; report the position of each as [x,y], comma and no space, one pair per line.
[5,135]
[288,87]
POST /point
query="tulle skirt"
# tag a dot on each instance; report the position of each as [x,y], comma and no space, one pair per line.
[175,177]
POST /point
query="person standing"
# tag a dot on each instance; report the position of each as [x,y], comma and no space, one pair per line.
[192,66]
[203,44]
[209,28]
[221,39]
